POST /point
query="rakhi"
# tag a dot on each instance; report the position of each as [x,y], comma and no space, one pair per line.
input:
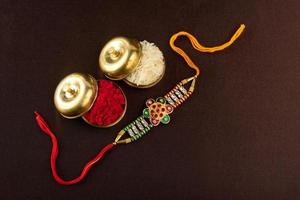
[157,110]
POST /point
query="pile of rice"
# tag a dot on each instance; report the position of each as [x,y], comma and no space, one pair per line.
[151,67]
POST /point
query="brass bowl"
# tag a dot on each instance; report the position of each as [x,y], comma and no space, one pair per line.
[119,57]
[75,95]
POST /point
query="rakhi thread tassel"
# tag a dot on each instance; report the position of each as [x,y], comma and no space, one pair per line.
[199,47]
[54,153]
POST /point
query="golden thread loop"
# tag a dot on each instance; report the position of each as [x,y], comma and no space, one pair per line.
[200,47]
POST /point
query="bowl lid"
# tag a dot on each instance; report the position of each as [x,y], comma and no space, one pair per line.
[119,57]
[75,95]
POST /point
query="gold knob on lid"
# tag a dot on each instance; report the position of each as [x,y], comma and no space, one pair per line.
[70,91]
[119,57]
[75,95]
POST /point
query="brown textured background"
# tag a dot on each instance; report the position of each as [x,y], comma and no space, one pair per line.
[236,138]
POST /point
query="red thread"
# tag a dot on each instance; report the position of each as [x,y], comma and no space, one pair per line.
[54,153]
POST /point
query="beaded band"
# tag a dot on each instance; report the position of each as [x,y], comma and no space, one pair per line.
[157,111]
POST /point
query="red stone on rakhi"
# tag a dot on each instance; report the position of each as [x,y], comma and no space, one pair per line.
[109,106]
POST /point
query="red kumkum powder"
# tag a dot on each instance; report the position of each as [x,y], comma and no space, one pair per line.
[109,105]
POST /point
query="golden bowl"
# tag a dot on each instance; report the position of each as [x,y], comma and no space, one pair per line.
[119,57]
[75,95]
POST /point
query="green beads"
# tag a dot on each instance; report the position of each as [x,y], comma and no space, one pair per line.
[165,119]
[146,113]
[138,128]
